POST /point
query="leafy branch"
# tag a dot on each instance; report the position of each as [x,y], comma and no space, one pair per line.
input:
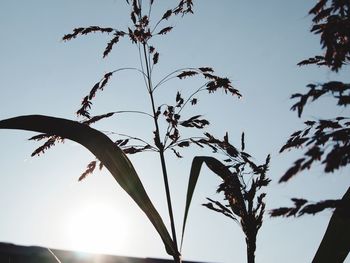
[331,22]
[326,140]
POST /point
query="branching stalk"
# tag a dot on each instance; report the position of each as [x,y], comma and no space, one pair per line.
[161,155]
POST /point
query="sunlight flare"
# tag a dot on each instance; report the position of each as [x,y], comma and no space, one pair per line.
[97,228]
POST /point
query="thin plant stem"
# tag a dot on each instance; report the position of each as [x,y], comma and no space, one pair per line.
[141,63]
[162,157]
[167,77]
[133,111]
[136,69]
[154,149]
[150,9]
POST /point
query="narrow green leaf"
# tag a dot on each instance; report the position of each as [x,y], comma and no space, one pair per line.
[213,164]
[335,245]
[107,152]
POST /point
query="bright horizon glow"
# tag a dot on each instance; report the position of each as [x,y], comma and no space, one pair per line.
[96,228]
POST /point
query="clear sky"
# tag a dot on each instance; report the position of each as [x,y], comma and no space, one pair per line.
[257,44]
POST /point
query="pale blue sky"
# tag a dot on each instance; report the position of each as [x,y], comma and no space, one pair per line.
[255,43]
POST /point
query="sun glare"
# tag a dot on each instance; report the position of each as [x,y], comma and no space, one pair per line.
[97,228]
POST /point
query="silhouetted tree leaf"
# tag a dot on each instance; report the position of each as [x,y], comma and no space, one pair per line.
[328,144]
[319,207]
[332,23]
[303,206]
[292,171]
[337,89]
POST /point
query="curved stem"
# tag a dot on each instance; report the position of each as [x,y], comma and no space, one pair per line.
[155,27]
[167,77]
[182,140]
[191,96]
[132,138]
[121,69]
[133,111]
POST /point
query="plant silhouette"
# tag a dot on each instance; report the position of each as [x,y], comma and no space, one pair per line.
[326,140]
[242,179]
[112,153]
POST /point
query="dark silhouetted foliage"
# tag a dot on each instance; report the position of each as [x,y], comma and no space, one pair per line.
[327,141]
[331,20]
[242,180]
[140,32]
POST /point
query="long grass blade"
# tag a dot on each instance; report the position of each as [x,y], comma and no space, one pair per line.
[335,245]
[107,152]
[213,164]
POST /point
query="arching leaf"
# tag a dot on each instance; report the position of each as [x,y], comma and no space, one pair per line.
[215,165]
[107,152]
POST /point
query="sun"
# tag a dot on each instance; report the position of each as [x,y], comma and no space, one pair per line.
[96,228]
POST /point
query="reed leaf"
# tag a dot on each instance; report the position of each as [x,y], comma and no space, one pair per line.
[335,244]
[107,152]
[213,164]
